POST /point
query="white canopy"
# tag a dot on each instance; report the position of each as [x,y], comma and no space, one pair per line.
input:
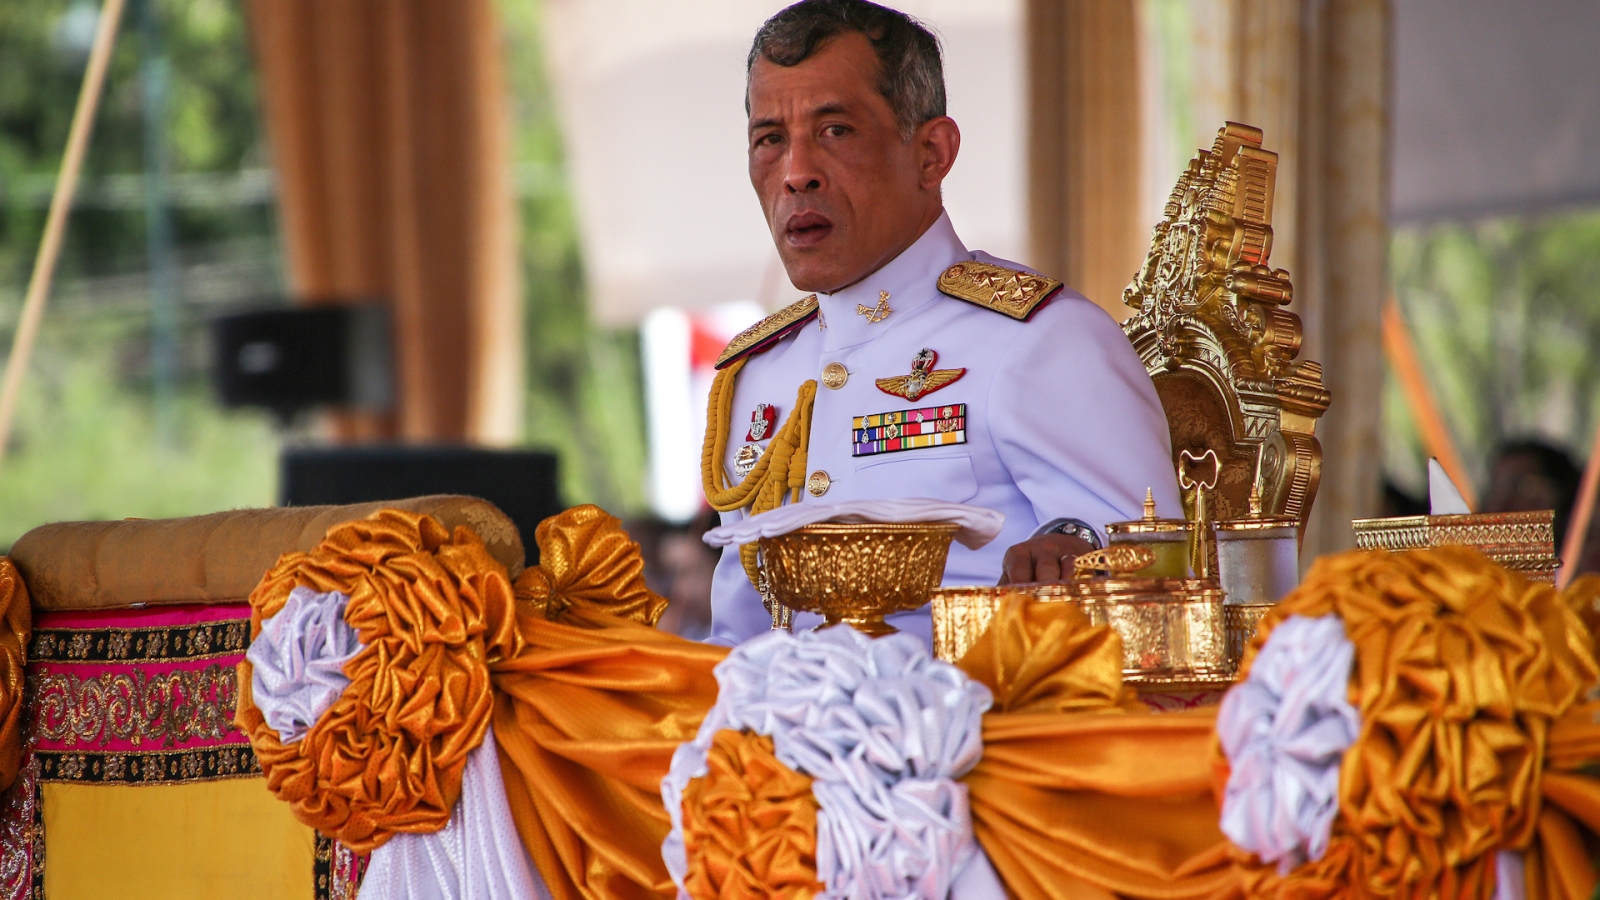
[1497,107]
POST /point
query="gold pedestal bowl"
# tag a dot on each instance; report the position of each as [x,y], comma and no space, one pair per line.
[853,573]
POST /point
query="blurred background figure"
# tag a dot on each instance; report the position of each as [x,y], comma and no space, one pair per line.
[1531,475]
[678,565]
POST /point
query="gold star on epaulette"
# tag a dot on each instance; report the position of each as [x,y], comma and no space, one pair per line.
[1007,291]
[768,331]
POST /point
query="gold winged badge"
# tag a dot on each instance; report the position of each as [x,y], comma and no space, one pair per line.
[924,378]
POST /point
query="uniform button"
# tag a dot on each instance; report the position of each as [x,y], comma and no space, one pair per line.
[818,483]
[834,375]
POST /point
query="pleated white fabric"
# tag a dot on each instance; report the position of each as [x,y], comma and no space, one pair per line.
[478,856]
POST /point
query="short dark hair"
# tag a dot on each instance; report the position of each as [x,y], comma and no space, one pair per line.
[910,70]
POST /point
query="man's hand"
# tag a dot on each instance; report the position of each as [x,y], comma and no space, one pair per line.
[1045,558]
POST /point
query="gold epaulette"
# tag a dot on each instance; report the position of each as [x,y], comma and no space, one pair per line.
[1008,291]
[769,331]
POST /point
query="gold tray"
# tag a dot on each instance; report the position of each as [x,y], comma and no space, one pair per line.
[1521,541]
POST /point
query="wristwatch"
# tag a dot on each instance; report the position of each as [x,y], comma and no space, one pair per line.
[1075,527]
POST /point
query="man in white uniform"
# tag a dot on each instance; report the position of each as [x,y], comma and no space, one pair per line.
[936,371]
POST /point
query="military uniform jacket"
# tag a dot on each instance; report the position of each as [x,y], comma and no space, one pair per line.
[1052,415]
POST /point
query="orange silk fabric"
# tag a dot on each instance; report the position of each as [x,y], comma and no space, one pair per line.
[587,719]
[587,561]
[432,609]
[749,824]
[1463,670]
[1082,791]
[1468,681]
[16,626]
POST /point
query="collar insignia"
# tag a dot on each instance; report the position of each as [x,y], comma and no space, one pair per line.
[875,314]
[1007,291]
[769,331]
[924,378]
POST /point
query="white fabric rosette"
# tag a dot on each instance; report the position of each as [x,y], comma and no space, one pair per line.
[884,730]
[1285,730]
[298,661]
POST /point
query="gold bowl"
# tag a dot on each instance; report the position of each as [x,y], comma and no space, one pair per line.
[857,573]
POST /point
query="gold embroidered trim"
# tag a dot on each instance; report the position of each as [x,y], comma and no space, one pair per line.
[161,710]
[1007,291]
[768,329]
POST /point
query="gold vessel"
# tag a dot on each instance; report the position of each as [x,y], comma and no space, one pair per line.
[1172,629]
[856,573]
[1521,541]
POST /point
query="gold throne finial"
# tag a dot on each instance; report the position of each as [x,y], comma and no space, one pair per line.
[1212,327]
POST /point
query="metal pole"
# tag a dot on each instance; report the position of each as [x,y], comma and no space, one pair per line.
[55,223]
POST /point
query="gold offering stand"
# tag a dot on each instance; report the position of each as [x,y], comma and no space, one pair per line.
[854,573]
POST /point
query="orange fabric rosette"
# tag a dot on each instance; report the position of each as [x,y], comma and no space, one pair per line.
[432,610]
[750,824]
[1466,678]
[16,627]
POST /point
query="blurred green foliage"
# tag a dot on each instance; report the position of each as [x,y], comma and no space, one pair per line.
[85,442]
[1505,313]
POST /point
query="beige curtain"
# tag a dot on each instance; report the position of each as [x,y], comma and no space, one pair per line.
[387,121]
[1083,146]
[1315,76]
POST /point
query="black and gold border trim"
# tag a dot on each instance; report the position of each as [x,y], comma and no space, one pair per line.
[171,767]
[227,637]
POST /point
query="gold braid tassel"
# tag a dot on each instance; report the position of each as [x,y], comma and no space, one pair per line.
[781,470]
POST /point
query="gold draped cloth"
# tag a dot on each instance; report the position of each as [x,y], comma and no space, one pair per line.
[1081,791]
[16,626]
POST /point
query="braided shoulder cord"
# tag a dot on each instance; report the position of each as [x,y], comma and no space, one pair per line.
[781,470]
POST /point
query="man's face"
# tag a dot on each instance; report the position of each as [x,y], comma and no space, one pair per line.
[843,193]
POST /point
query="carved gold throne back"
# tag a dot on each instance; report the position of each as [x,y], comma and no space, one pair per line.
[1212,327]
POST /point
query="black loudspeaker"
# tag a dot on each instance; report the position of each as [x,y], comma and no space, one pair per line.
[290,360]
[521,482]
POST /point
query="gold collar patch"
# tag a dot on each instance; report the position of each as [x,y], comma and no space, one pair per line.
[1007,291]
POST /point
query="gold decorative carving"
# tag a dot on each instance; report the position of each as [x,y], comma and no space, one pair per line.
[1521,541]
[1008,291]
[1211,326]
[1117,559]
[769,329]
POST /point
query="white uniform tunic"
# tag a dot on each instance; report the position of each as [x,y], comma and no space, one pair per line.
[1061,418]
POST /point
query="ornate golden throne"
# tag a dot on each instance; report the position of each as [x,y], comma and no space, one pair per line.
[1213,331]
